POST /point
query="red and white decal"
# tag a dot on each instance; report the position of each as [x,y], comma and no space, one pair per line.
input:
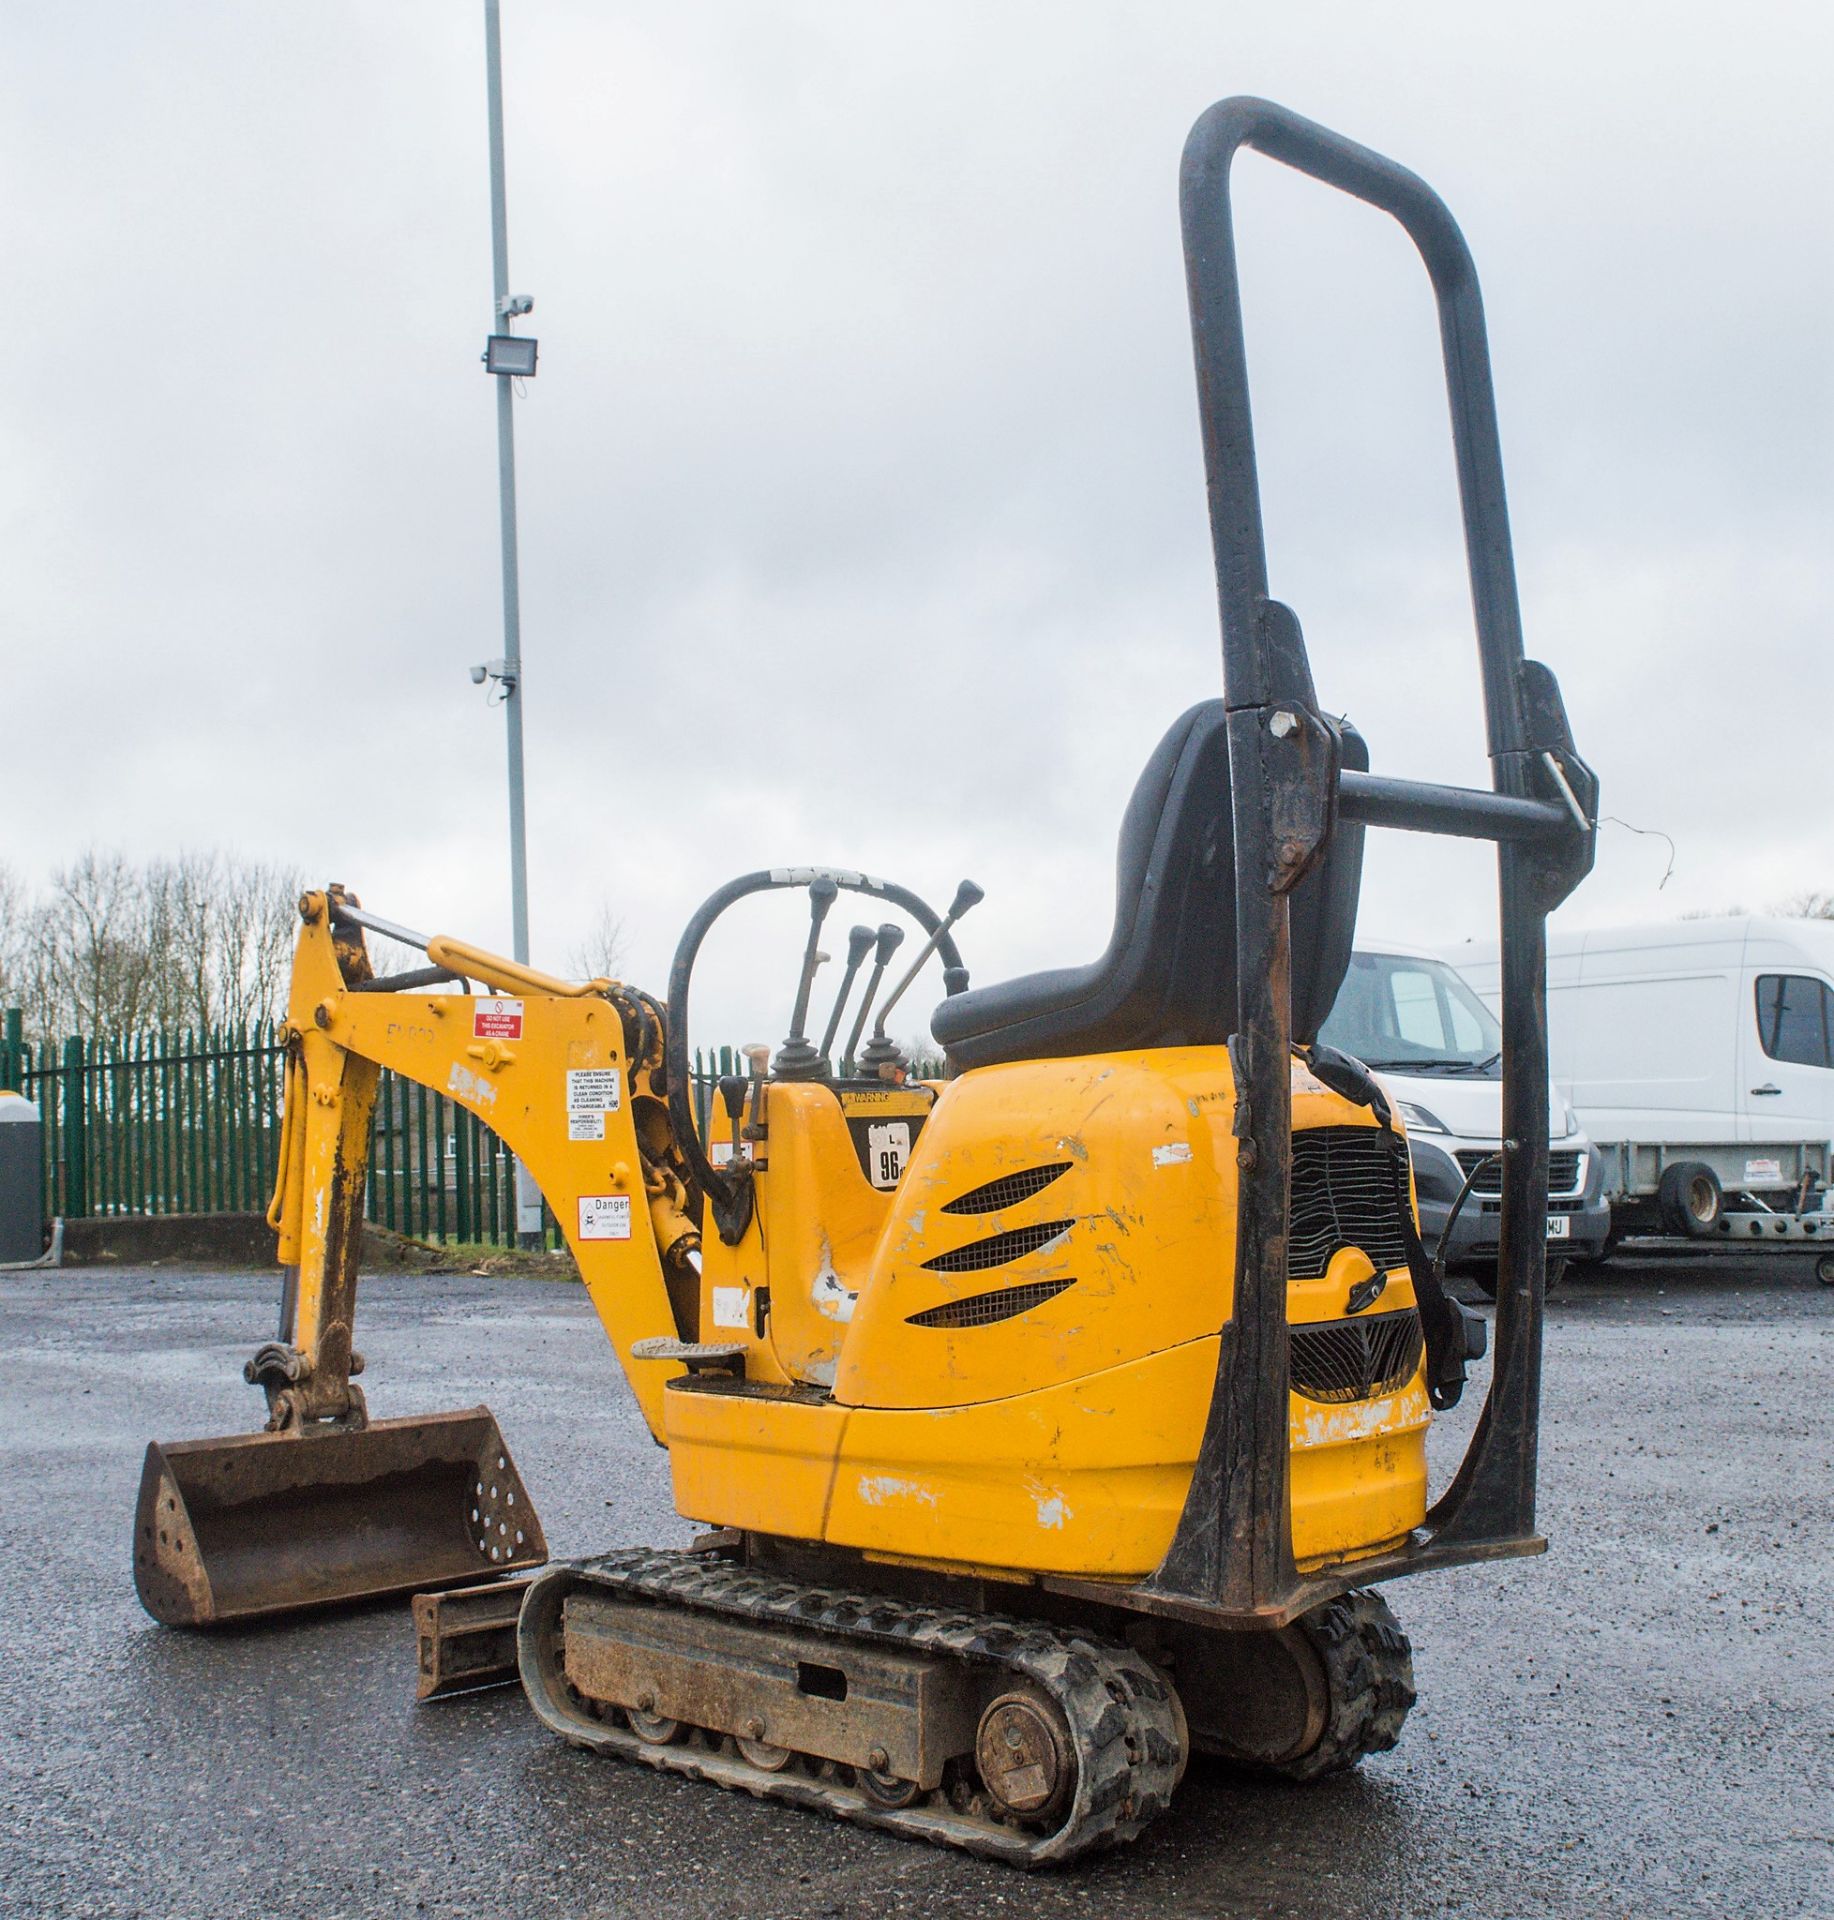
[497,1020]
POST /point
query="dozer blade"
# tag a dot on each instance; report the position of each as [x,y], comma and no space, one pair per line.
[265,1523]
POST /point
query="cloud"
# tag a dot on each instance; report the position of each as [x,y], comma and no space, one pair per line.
[862,506]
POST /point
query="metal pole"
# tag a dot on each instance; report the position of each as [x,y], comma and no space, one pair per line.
[528,1195]
[500,320]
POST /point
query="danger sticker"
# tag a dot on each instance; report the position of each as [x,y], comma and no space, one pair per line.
[592,1092]
[1771,1170]
[604,1216]
[497,1020]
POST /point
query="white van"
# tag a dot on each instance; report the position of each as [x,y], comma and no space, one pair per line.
[1701,1055]
[1437,1050]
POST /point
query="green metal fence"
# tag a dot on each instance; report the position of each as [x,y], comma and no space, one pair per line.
[190,1123]
[154,1123]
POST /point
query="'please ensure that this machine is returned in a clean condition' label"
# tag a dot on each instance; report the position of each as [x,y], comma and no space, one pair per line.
[592,1093]
[496,1020]
[604,1216]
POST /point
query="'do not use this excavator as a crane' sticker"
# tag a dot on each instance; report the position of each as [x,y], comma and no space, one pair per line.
[1049,1421]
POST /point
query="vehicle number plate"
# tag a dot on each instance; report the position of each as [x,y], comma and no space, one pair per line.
[1559,1227]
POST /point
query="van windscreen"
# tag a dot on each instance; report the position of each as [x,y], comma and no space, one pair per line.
[1412,1016]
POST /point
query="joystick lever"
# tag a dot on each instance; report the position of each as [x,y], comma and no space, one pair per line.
[881,1052]
[732,1098]
[796,1059]
[891,937]
[858,941]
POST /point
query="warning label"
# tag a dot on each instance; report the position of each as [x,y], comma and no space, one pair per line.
[497,1020]
[592,1092]
[604,1216]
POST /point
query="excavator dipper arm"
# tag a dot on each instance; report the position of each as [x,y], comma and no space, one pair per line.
[327,1505]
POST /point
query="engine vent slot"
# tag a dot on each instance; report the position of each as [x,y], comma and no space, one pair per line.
[1007,1191]
[1359,1359]
[1347,1188]
[998,1248]
[983,1309]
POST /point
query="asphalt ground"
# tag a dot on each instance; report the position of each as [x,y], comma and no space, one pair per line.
[1642,1723]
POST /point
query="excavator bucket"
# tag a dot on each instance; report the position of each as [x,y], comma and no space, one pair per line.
[268,1523]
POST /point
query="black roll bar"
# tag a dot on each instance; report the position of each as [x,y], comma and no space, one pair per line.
[1232,1556]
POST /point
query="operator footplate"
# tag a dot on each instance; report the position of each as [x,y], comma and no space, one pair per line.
[1005,1737]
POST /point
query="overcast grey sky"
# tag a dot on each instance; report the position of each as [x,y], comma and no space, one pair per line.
[862,501]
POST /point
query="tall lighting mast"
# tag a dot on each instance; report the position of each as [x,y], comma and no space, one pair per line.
[508,356]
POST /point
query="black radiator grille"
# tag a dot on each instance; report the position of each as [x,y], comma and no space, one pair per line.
[1360,1359]
[1007,1191]
[1562,1170]
[983,1309]
[998,1248]
[1346,1193]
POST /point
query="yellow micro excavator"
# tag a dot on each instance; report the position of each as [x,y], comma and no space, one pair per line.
[1051,1420]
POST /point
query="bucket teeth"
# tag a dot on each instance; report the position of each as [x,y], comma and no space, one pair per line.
[265,1523]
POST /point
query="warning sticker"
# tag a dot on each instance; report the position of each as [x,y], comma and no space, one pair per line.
[497,1020]
[732,1308]
[888,1146]
[1176,1154]
[604,1216]
[592,1092]
[1769,1170]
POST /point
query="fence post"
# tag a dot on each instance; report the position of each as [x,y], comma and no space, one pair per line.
[76,1132]
[12,1052]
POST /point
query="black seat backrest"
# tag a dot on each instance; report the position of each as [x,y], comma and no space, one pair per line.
[1168,976]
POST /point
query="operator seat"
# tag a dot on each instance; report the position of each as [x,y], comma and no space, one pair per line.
[1168,977]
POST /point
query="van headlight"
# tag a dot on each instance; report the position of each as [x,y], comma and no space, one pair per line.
[1420,1119]
[1568,1123]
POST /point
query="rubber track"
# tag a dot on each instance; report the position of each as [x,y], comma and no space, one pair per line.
[1369,1675]
[1123,1718]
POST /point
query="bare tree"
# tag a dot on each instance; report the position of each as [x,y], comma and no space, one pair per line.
[15,909]
[93,937]
[199,941]
[601,954]
[225,930]
[1815,904]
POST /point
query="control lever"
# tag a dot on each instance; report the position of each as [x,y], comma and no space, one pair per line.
[796,1059]
[732,1098]
[891,937]
[881,1052]
[857,942]
[759,1060]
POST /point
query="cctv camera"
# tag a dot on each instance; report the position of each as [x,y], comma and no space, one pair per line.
[479,675]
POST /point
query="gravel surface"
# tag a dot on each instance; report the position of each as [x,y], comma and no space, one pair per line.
[1641,1723]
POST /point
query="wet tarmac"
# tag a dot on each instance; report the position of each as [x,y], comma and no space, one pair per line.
[1641,1723]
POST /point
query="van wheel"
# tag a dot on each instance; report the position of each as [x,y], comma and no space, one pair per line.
[1556,1272]
[1690,1199]
[1824,1269]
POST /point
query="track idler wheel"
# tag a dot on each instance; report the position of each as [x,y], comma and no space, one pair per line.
[1023,1752]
